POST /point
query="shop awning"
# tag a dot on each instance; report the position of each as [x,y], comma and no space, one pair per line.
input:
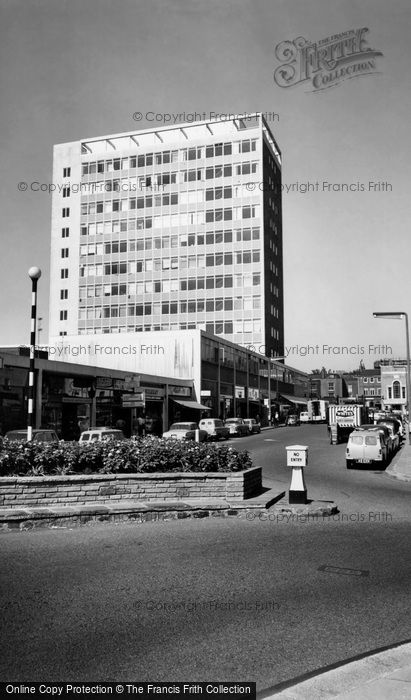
[295,399]
[192,404]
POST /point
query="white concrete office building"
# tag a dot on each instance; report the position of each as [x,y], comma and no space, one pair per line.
[171,228]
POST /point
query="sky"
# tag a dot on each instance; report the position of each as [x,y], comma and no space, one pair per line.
[81,68]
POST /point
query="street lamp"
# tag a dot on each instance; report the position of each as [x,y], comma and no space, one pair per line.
[34,274]
[396,315]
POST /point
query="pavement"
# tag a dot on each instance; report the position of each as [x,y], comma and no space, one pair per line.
[400,467]
[385,675]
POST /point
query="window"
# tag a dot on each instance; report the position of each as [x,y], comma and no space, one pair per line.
[64,273]
[65,212]
[64,252]
[65,232]
[396,390]
[370,440]
[66,172]
[63,293]
[63,315]
[66,191]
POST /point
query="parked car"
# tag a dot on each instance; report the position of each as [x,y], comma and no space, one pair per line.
[398,424]
[98,434]
[215,428]
[252,424]
[366,447]
[237,426]
[304,417]
[292,419]
[38,435]
[394,431]
[185,431]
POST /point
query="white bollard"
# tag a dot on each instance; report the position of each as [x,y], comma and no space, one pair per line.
[197,438]
[297,459]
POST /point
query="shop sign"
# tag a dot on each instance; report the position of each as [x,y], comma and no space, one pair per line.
[205,392]
[104,382]
[119,384]
[180,390]
[132,382]
[253,394]
[240,392]
[73,391]
[153,393]
[133,400]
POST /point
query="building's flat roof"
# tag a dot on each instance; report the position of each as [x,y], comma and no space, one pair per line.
[183,126]
[14,359]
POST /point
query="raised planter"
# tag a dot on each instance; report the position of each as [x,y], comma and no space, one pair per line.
[84,489]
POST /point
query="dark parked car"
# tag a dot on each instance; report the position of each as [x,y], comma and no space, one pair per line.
[237,426]
[253,426]
[38,435]
[396,424]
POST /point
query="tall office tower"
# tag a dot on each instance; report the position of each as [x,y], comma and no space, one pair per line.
[170,228]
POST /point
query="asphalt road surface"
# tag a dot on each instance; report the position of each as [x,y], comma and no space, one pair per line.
[216,598]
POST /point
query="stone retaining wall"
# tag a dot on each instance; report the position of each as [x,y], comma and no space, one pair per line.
[43,491]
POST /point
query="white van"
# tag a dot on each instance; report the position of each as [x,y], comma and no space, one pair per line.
[304,417]
[98,434]
[215,428]
[366,447]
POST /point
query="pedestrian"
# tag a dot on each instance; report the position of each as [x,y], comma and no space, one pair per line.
[121,425]
[141,425]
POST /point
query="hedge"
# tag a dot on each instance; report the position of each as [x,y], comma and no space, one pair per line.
[144,455]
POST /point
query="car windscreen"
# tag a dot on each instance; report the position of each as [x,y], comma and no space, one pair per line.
[183,426]
[16,435]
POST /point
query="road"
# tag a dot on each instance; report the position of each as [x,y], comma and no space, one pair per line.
[215,599]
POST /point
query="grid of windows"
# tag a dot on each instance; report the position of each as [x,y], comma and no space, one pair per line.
[189,208]
[176,232]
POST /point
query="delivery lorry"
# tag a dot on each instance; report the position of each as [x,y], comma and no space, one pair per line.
[317,411]
[343,419]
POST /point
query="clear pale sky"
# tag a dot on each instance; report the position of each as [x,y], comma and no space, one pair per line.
[80,68]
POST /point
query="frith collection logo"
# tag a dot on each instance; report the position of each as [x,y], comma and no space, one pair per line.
[326,63]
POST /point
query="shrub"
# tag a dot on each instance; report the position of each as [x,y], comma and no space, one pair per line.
[145,455]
